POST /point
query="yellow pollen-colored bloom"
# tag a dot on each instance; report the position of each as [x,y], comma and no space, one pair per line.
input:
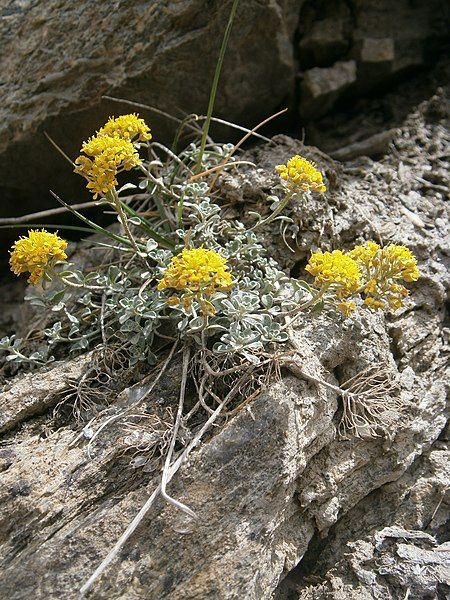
[399,289]
[382,267]
[197,270]
[301,175]
[371,287]
[373,303]
[346,308]
[128,127]
[35,253]
[366,254]
[335,268]
[173,301]
[395,303]
[110,156]
[400,262]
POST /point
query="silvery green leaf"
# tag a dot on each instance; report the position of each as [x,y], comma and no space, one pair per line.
[58,307]
[267,301]
[318,306]
[183,324]
[134,339]
[82,344]
[303,285]
[72,318]
[36,302]
[66,273]
[220,348]
[127,186]
[251,357]
[196,324]
[151,245]
[12,357]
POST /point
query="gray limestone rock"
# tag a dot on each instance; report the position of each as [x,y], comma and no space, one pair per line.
[279,495]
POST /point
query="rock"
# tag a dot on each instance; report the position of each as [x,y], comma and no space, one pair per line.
[28,396]
[279,495]
[377,50]
[383,38]
[324,41]
[321,88]
[374,146]
[59,59]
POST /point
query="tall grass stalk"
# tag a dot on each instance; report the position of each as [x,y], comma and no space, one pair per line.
[212,95]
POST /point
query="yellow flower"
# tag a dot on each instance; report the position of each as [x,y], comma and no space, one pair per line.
[400,262]
[35,252]
[399,290]
[373,303]
[110,156]
[301,175]
[335,268]
[366,254]
[371,287]
[395,303]
[128,127]
[346,308]
[381,267]
[197,270]
[173,301]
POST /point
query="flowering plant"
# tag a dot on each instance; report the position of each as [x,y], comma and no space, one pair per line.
[175,274]
[188,270]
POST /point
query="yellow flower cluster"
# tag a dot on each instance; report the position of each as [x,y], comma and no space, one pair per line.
[301,175]
[127,127]
[399,262]
[335,269]
[36,252]
[384,266]
[111,151]
[198,272]
[369,270]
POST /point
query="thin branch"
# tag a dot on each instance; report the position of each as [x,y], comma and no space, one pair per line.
[60,150]
[146,107]
[166,469]
[47,213]
[217,167]
[239,144]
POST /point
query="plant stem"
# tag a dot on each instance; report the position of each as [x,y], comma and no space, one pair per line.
[115,200]
[212,95]
[303,307]
[275,213]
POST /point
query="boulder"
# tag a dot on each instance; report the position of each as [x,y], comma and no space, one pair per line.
[279,495]
[59,58]
[321,88]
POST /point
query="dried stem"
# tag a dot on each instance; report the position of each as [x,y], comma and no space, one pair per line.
[166,469]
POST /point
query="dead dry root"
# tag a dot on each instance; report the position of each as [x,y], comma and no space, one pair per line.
[106,375]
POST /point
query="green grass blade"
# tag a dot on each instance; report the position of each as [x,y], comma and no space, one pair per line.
[94,227]
[212,95]
[162,240]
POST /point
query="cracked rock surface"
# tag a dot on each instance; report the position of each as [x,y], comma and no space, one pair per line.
[287,509]
[59,59]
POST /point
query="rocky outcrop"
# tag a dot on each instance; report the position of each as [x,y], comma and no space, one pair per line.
[59,59]
[286,507]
